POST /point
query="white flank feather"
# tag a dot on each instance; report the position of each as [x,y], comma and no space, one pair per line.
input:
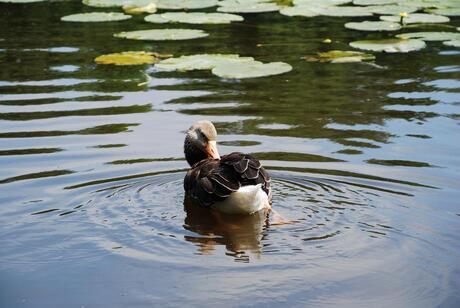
[246,200]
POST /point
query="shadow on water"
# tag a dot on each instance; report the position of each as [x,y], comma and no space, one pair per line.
[26,116]
[97,130]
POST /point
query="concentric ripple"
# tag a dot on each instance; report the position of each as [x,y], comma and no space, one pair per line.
[148,219]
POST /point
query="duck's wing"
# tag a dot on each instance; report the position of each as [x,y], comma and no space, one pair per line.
[212,180]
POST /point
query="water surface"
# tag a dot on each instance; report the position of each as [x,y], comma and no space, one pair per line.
[364,159]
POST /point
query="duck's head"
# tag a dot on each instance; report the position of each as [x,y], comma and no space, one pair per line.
[200,142]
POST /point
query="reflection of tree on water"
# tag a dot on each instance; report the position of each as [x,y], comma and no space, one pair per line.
[321,101]
[241,234]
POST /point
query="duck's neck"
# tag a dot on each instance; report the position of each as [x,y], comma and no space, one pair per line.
[193,154]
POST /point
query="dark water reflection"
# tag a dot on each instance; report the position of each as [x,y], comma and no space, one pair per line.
[364,160]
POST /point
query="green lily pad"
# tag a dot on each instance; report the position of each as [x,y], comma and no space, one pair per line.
[455,11]
[373,26]
[453,43]
[195,18]
[343,11]
[224,65]
[185,4]
[430,36]
[118,3]
[431,3]
[131,58]
[355,59]
[251,69]
[250,8]
[390,45]
[305,11]
[150,8]
[417,18]
[340,56]
[156,19]
[96,17]
[200,62]
[391,9]
[162,34]
[161,4]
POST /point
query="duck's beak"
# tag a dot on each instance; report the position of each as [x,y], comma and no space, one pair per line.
[211,149]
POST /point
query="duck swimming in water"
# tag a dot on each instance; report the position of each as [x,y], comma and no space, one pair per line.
[235,183]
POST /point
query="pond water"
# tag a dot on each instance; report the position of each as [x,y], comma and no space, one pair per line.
[364,159]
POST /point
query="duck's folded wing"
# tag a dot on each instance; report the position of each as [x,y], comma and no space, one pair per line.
[210,181]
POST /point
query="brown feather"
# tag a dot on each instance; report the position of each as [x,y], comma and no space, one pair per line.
[211,180]
[241,166]
[251,173]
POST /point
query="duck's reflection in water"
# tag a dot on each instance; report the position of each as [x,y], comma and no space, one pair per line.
[241,234]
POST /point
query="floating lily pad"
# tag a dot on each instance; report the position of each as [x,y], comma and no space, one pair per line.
[96,17]
[161,4]
[305,11]
[251,69]
[356,59]
[195,18]
[343,11]
[311,8]
[446,11]
[340,56]
[250,8]
[131,58]
[417,18]
[431,3]
[118,3]
[185,4]
[156,19]
[430,36]
[200,62]
[390,46]
[224,65]
[162,34]
[453,43]
[391,9]
[150,8]
[373,26]
[202,18]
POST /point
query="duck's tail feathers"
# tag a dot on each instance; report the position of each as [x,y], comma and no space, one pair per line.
[246,200]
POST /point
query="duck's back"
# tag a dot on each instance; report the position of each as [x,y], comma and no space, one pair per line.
[213,181]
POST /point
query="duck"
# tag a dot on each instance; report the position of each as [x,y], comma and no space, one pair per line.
[235,183]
